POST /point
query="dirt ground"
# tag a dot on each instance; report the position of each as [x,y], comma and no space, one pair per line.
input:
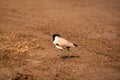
[26,49]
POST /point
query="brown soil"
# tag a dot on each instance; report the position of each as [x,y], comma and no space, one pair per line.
[26,49]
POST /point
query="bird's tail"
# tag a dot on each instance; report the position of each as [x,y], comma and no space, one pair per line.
[75,45]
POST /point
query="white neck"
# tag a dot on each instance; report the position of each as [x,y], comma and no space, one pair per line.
[57,37]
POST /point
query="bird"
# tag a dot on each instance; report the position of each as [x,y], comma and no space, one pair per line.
[61,43]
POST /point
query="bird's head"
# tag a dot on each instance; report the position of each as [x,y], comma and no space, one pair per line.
[55,35]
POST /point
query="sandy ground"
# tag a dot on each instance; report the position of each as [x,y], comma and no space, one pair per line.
[26,49]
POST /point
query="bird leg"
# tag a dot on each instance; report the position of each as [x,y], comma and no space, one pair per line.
[68,48]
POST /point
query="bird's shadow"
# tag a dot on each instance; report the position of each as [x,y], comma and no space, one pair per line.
[68,56]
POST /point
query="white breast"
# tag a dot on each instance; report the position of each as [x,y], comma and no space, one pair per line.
[59,47]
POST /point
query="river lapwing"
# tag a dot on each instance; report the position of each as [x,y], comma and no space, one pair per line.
[61,43]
